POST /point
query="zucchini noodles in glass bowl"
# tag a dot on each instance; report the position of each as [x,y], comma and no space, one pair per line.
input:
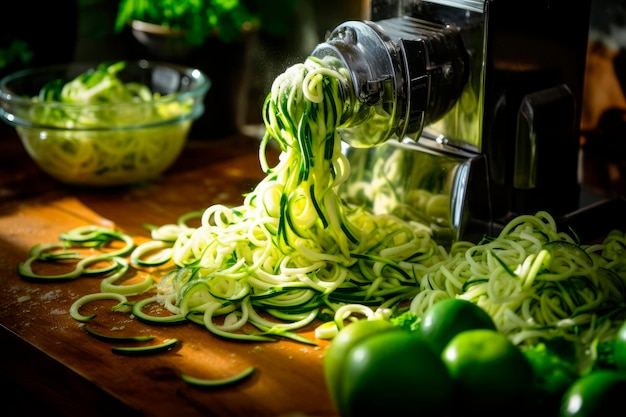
[104,124]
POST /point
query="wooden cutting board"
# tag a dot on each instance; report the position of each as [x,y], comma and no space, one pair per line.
[54,366]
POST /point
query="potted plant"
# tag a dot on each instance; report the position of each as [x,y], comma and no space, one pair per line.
[213,35]
[191,23]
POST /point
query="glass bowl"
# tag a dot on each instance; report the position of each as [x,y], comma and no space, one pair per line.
[104,133]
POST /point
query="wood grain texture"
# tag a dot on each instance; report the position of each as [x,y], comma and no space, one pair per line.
[53,365]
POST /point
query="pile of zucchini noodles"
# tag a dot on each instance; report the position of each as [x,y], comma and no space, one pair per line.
[293,249]
[294,252]
[535,281]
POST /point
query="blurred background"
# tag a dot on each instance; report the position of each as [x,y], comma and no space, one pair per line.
[241,44]
[244,44]
[603,122]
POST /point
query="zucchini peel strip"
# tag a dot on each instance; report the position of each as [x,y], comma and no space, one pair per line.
[139,255]
[166,345]
[138,312]
[108,283]
[123,305]
[112,338]
[220,382]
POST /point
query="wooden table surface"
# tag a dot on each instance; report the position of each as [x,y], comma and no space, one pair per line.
[53,366]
